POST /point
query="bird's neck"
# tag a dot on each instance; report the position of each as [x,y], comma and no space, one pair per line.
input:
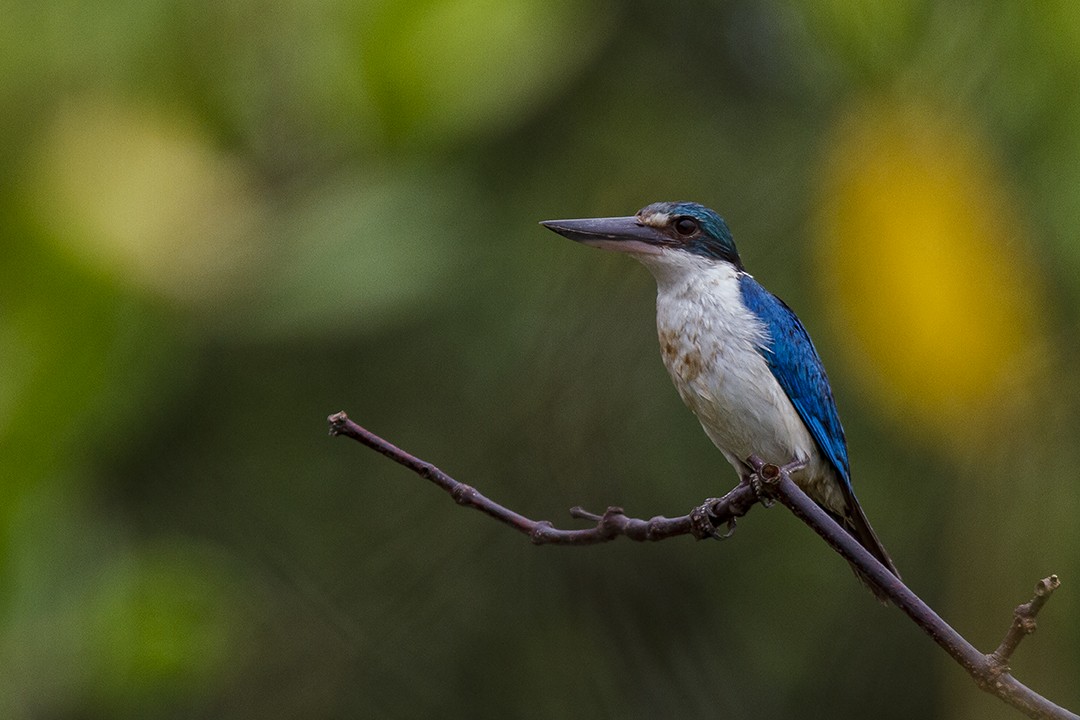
[701,299]
[680,273]
[676,270]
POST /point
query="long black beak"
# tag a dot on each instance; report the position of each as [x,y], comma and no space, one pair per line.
[626,234]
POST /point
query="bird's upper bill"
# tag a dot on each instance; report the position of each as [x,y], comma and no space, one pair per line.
[657,228]
[625,234]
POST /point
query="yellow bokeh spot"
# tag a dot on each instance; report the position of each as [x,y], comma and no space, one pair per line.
[924,264]
[144,197]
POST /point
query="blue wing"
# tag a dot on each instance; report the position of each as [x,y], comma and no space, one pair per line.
[796,366]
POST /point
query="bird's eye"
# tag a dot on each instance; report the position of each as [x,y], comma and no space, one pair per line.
[686,226]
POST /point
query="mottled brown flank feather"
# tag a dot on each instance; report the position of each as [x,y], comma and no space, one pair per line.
[688,363]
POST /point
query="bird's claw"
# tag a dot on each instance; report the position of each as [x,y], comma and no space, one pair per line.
[703,521]
[760,492]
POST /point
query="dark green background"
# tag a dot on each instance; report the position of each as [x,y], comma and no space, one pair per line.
[221,222]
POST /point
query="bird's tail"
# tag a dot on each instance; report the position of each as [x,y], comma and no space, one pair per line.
[855,522]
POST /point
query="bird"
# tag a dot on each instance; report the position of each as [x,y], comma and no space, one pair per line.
[738,355]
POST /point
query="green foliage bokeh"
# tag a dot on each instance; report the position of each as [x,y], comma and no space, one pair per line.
[221,222]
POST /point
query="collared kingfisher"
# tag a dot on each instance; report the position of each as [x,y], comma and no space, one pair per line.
[740,359]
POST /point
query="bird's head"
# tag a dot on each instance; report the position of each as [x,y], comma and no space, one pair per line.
[658,232]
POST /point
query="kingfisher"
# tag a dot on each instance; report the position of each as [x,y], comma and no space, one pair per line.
[739,356]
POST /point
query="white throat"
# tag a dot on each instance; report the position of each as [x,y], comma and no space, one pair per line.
[675,267]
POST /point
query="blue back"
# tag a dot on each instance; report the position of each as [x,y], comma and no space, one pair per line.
[796,366]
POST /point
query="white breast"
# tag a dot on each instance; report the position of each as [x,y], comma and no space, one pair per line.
[710,345]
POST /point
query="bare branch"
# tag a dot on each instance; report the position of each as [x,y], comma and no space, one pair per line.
[989,671]
[987,674]
[701,522]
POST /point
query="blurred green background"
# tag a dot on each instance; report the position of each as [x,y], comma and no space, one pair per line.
[220,222]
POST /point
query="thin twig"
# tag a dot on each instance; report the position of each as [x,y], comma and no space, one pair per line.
[1023,623]
[701,522]
[989,671]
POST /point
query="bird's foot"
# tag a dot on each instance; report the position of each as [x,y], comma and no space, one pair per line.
[704,521]
[760,492]
[762,471]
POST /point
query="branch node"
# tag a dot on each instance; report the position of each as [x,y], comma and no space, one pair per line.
[463,494]
[1023,624]
[539,531]
[654,528]
[613,511]
[764,481]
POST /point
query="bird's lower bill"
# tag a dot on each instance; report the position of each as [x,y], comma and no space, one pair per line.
[636,247]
